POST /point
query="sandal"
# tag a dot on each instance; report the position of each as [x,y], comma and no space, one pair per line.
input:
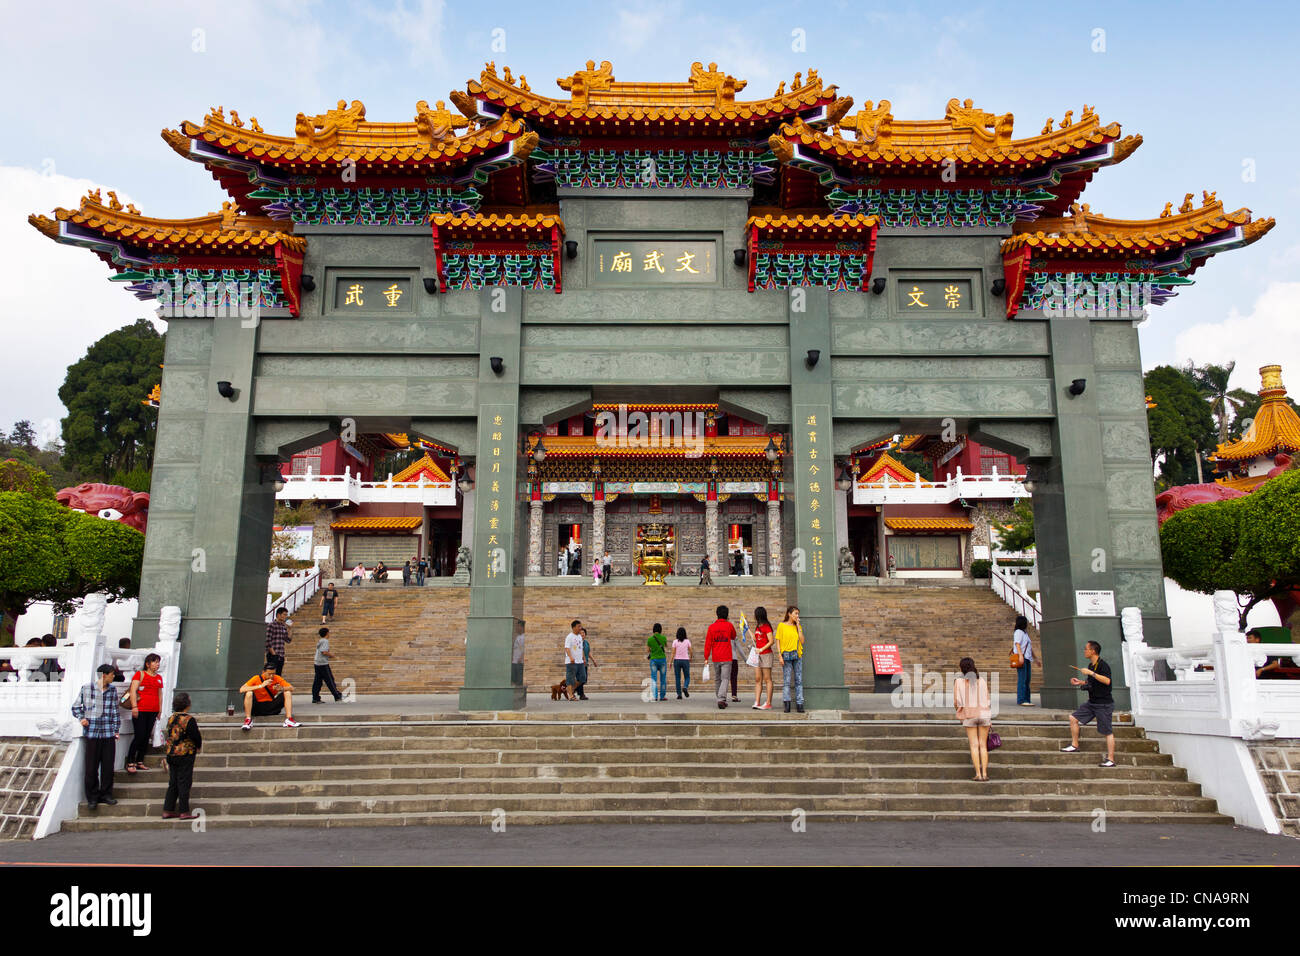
[130,768]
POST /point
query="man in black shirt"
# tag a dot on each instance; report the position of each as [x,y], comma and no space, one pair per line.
[1099,705]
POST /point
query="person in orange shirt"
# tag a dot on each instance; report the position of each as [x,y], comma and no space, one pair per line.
[265,694]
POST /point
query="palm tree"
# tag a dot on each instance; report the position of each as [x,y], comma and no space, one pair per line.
[1212,381]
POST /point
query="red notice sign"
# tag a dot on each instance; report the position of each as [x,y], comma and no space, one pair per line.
[886,660]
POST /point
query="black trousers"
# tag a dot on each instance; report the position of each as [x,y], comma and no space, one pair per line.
[324,676]
[143,723]
[180,777]
[277,661]
[100,752]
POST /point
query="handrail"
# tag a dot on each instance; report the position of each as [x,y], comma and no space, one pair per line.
[1021,603]
[292,600]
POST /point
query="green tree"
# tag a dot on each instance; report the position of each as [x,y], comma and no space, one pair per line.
[1250,545]
[107,429]
[1212,382]
[23,435]
[21,476]
[1180,425]
[1020,536]
[51,553]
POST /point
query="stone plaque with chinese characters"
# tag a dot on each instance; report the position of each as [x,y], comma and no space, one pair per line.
[381,294]
[654,262]
[934,296]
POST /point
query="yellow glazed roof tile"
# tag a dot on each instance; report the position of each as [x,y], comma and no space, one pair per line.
[387,523]
[930,524]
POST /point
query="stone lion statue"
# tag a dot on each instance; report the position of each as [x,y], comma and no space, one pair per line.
[463,555]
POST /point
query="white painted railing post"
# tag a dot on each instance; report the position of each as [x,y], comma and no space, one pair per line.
[169,648]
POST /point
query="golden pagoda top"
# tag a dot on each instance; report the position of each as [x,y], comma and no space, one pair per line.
[226,231]
[1085,230]
[425,466]
[1275,428]
[707,96]
[966,133]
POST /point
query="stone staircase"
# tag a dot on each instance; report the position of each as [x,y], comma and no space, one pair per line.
[28,766]
[631,768]
[412,640]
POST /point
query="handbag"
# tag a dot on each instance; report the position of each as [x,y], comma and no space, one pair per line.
[752,659]
[994,741]
[1016,660]
[705,674]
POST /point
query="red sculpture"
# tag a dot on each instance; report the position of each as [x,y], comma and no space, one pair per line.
[1184,496]
[112,502]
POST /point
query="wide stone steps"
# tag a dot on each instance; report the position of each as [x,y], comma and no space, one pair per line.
[388,770]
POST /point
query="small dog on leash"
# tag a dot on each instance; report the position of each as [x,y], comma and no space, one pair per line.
[561,690]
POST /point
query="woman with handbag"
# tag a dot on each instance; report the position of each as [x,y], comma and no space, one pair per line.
[1022,659]
[145,696]
[970,695]
[760,658]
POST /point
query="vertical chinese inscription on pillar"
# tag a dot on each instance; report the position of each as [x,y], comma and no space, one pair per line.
[809,467]
[496,487]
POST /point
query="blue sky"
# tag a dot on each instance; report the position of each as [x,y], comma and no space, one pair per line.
[1211,88]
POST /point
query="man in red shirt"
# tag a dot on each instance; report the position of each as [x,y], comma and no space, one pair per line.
[717,648]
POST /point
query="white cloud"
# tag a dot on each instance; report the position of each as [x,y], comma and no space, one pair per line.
[57,302]
[1267,335]
[419,29]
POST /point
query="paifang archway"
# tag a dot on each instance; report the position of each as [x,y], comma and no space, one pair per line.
[475,274]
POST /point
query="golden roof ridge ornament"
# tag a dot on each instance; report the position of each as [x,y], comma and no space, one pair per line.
[323,128]
[438,125]
[581,82]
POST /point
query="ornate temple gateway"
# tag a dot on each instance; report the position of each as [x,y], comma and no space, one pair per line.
[639,308]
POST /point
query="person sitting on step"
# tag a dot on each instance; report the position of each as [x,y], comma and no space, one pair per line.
[265,694]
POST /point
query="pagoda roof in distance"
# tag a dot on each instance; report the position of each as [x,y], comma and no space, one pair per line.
[705,101]
[226,231]
[1086,231]
[1276,427]
[634,446]
[424,467]
[967,134]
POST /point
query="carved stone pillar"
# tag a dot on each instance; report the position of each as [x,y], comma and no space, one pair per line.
[535,535]
[774,564]
[597,529]
[711,536]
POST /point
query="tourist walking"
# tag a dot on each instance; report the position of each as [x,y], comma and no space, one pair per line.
[145,698]
[265,695]
[658,657]
[406,575]
[1099,706]
[763,647]
[737,655]
[705,578]
[562,563]
[789,637]
[717,648]
[595,572]
[182,743]
[358,575]
[970,695]
[324,674]
[327,599]
[587,661]
[421,571]
[606,568]
[96,708]
[682,663]
[277,636]
[573,655]
[1022,646]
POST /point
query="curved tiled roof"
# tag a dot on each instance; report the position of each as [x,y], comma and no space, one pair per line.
[424,465]
[966,134]
[227,229]
[392,523]
[888,466]
[792,221]
[708,96]
[344,134]
[498,224]
[723,446]
[1085,231]
[930,524]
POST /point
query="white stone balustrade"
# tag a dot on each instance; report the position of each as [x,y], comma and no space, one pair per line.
[959,487]
[348,487]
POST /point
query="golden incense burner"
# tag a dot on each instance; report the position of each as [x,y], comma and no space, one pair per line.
[655,544]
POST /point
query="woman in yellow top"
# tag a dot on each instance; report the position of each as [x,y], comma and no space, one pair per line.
[789,636]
